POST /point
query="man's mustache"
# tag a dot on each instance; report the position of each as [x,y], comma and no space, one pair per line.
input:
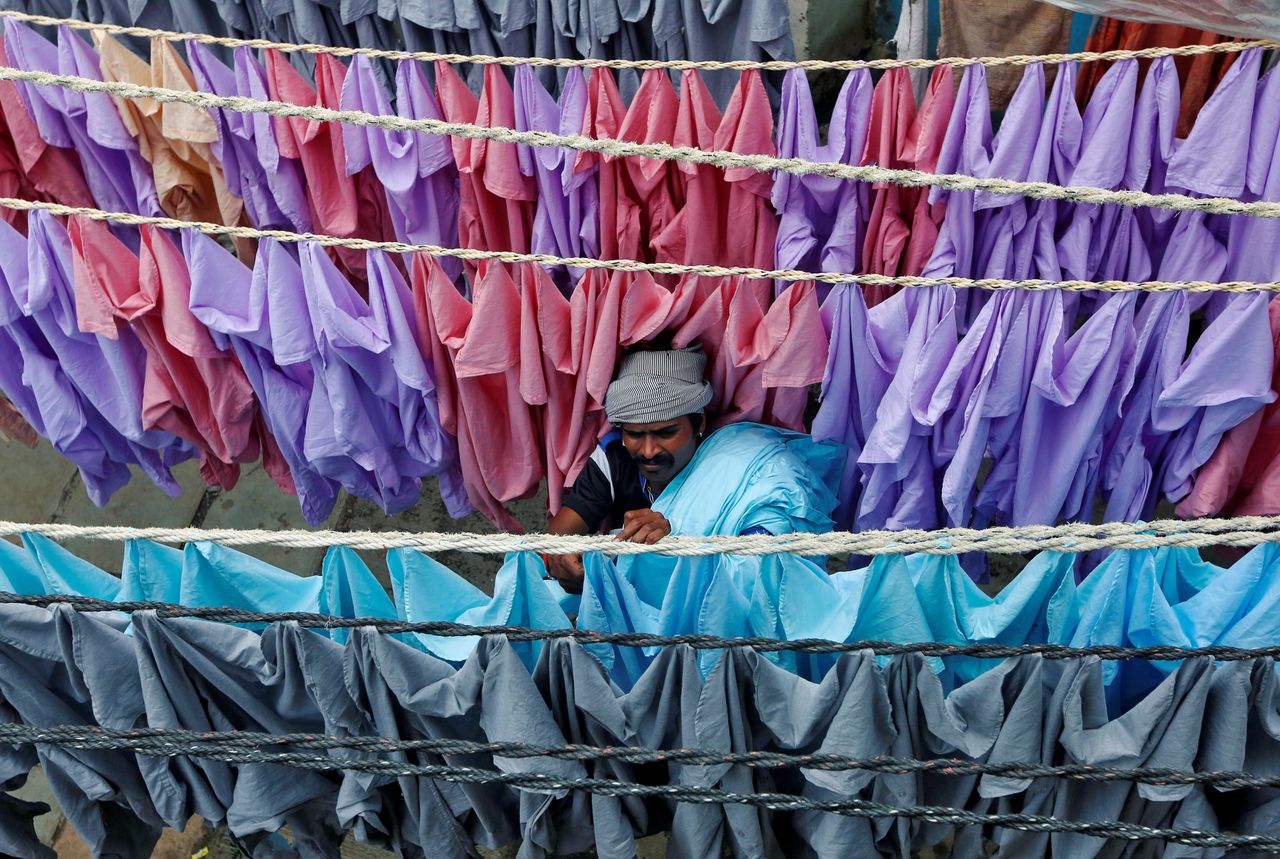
[665,459]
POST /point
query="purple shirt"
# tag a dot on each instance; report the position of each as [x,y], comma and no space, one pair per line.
[567,216]
[34,381]
[263,316]
[373,423]
[107,373]
[416,170]
[822,221]
[1181,403]
[270,184]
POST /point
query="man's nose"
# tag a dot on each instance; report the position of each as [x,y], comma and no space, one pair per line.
[649,448]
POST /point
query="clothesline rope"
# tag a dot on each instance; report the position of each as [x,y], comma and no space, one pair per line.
[676,65]
[658,151]
[514,257]
[694,641]
[95,737]
[1070,538]
[862,808]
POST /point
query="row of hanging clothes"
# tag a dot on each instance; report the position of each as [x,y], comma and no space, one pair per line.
[492,377]
[567,29]
[122,671]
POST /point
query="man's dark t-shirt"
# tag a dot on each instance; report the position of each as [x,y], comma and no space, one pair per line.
[608,488]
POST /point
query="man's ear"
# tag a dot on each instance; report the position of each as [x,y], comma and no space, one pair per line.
[701,427]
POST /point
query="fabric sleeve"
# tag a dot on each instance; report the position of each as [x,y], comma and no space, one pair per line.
[591,496]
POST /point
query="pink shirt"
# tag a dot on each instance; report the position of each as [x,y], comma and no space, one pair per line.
[726,216]
[904,226]
[478,380]
[497,200]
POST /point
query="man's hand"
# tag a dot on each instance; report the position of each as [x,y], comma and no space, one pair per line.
[567,570]
[644,526]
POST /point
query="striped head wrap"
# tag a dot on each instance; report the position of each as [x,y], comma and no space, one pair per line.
[652,387]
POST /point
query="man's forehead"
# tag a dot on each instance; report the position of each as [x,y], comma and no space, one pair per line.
[643,429]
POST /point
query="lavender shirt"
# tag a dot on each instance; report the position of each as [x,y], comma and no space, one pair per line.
[567,219]
[263,316]
[417,170]
[373,423]
[822,221]
[270,184]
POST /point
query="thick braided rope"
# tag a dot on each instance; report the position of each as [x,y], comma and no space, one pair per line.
[695,641]
[514,257]
[1112,829]
[159,739]
[705,65]
[1072,538]
[658,151]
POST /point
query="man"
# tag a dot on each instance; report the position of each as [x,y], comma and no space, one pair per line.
[660,462]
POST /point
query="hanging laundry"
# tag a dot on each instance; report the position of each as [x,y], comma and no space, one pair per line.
[118,176]
[341,204]
[822,221]
[725,217]
[497,200]
[1200,75]
[173,138]
[372,420]
[416,170]
[1239,479]
[85,390]
[191,389]
[566,222]
[479,394]
[639,197]
[261,315]
[269,182]
[722,30]
[904,223]
[34,169]
[1187,414]
[548,383]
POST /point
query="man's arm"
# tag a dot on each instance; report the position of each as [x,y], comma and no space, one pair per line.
[567,569]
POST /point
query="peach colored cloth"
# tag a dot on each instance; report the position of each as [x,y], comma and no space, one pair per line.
[174,138]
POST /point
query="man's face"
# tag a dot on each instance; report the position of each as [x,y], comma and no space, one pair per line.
[661,450]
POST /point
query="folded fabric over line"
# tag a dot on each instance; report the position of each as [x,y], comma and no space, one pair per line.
[61,667]
[1135,598]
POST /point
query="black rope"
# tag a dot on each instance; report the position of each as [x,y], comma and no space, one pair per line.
[1112,829]
[78,736]
[696,641]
